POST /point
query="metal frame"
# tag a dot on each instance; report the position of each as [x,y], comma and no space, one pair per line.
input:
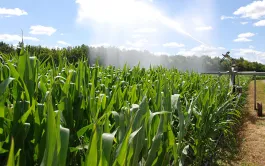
[233,72]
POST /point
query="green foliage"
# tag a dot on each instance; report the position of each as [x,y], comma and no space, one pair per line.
[119,58]
[6,49]
[72,113]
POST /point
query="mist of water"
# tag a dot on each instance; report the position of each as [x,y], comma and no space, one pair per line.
[176,26]
[118,58]
[123,14]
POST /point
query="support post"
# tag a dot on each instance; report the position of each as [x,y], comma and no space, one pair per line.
[233,79]
[255,105]
[234,83]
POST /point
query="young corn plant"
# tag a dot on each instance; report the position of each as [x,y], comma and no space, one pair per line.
[64,113]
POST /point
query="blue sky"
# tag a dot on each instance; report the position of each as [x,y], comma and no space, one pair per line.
[187,27]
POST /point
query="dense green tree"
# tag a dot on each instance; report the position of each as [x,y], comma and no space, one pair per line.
[6,48]
[118,58]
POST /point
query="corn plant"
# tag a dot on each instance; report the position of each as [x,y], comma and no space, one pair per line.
[62,113]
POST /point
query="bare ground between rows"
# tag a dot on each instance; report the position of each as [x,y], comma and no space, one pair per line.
[251,136]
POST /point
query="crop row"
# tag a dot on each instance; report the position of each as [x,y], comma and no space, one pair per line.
[76,114]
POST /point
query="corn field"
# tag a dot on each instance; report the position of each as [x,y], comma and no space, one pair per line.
[76,114]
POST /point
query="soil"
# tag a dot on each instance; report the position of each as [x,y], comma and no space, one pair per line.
[251,136]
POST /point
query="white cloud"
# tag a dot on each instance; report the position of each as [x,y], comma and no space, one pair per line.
[251,47]
[129,48]
[138,44]
[205,28]
[30,38]
[16,38]
[254,10]
[242,39]
[145,30]
[42,30]
[243,23]
[124,15]
[245,51]
[161,53]
[12,12]
[100,45]
[63,43]
[115,11]
[246,35]
[260,23]
[202,50]
[250,54]
[226,17]
[173,44]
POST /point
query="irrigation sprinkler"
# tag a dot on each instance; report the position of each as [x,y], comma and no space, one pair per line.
[233,72]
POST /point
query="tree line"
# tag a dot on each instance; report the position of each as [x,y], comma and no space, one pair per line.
[117,57]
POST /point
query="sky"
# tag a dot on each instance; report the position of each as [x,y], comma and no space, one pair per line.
[172,27]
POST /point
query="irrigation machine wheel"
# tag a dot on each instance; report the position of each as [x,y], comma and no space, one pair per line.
[259,111]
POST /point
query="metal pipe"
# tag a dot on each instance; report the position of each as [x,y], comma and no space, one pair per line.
[255,105]
[233,81]
[220,73]
[234,73]
[238,73]
[251,73]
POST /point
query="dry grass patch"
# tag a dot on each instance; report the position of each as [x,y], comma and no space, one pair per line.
[252,135]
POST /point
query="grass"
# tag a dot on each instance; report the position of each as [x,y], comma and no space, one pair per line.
[250,145]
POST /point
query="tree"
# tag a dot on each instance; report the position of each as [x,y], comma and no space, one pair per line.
[118,58]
